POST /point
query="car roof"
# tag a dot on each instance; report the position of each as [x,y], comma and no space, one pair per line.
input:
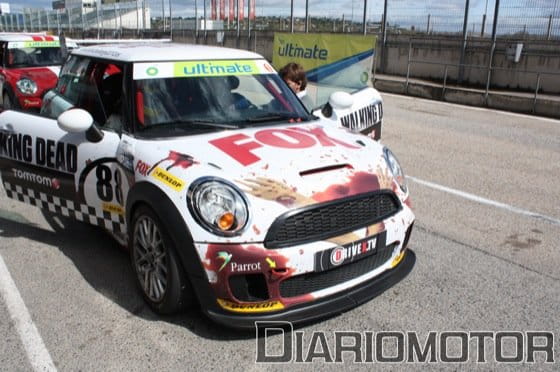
[20,36]
[154,52]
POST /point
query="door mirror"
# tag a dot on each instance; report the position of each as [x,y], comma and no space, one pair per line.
[75,120]
[341,100]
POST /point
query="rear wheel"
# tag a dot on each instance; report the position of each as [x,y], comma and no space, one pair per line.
[160,275]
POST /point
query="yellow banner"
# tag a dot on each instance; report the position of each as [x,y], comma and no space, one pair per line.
[316,50]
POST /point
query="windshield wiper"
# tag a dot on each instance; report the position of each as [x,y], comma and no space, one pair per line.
[274,117]
[190,124]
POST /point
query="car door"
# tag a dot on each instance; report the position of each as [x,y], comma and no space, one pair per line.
[74,174]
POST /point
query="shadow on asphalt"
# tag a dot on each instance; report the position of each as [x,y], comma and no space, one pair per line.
[106,266]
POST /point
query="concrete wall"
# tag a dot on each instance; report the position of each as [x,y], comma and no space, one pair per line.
[537,57]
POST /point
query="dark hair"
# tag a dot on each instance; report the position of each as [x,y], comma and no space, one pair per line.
[294,72]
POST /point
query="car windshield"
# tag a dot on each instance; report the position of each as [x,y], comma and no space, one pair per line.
[212,95]
[34,56]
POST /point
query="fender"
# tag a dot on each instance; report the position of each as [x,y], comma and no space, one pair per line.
[148,193]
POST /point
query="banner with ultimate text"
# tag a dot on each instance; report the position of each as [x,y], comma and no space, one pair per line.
[339,60]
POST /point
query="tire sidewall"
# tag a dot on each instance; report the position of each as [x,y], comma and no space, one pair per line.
[176,295]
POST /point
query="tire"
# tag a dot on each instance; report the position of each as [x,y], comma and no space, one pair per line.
[9,103]
[159,273]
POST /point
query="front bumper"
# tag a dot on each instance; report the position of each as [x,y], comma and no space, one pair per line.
[324,307]
[289,292]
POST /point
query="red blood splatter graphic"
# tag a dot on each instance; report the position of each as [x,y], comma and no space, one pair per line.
[408,202]
[178,160]
[360,182]
[250,254]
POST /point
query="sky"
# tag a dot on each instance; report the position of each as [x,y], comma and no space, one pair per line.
[266,7]
[402,12]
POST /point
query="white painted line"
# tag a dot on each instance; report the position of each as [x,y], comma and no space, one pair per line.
[37,353]
[475,108]
[481,200]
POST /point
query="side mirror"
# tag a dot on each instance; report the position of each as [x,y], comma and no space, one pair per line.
[78,120]
[75,120]
[341,100]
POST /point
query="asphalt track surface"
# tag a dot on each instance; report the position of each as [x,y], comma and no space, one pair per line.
[485,189]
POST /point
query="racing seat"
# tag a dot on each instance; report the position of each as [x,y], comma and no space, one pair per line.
[111,94]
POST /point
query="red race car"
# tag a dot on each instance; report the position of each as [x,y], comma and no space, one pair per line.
[29,68]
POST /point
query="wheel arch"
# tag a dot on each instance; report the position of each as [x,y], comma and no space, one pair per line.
[152,196]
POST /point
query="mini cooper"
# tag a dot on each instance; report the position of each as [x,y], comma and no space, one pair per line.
[227,192]
[29,67]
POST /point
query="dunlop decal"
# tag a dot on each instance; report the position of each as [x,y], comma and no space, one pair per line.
[113,208]
[170,180]
[260,307]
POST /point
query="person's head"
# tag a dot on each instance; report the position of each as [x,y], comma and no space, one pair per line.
[294,75]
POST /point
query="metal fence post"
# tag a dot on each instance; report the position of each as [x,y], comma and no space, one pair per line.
[292,16]
[549,28]
[492,49]
[428,25]
[384,39]
[408,65]
[205,25]
[238,24]
[138,17]
[536,92]
[170,21]
[364,19]
[248,24]
[306,16]
[444,82]
[464,44]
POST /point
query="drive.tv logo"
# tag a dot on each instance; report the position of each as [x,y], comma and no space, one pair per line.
[36,178]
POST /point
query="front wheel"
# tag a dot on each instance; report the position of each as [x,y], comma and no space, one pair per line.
[161,277]
[7,102]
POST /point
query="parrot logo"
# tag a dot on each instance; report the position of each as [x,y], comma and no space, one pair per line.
[226,257]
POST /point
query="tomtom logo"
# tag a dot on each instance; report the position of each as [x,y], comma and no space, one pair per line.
[337,256]
[35,178]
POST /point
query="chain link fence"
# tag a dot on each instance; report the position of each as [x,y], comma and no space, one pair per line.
[515,18]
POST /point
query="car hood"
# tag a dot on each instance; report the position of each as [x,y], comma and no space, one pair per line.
[45,77]
[277,168]
[308,158]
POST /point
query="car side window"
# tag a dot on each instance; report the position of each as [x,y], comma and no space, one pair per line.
[94,86]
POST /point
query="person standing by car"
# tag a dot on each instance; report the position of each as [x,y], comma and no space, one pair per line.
[294,75]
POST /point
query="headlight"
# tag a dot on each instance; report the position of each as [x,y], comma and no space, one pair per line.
[395,168]
[27,86]
[218,206]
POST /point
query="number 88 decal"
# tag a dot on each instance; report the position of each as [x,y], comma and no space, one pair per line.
[109,184]
[105,186]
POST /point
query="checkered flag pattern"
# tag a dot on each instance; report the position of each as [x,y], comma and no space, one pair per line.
[111,221]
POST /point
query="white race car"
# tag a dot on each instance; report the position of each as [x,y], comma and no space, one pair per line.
[226,190]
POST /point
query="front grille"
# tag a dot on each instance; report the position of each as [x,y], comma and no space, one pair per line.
[315,281]
[325,220]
